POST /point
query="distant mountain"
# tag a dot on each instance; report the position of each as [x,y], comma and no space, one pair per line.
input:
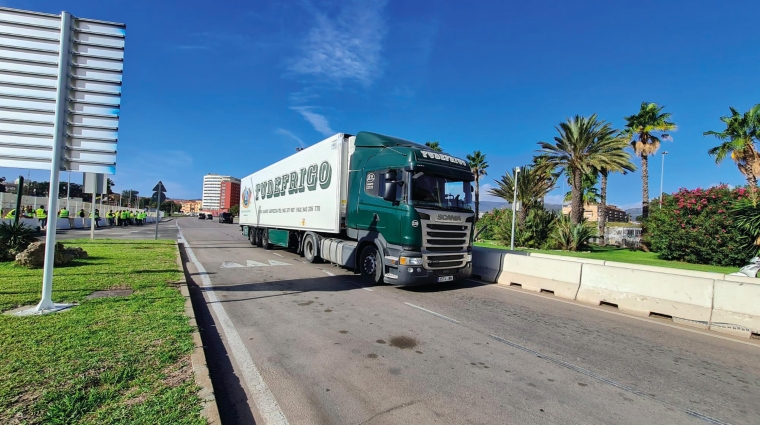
[634,212]
[486,206]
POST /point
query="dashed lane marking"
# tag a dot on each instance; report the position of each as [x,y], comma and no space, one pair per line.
[438,315]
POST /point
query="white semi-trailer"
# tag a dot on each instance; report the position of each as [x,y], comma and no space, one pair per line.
[390,208]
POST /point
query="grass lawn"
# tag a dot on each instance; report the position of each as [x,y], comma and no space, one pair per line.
[623,255]
[121,360]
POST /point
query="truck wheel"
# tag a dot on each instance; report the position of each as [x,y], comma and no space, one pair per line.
[371,265]
[310,249]
[265,240]
[252,236]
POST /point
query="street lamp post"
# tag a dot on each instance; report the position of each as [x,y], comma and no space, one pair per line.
[514,209]
[662,175]
[68,191]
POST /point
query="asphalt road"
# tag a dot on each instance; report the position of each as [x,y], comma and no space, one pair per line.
[331,350]
[167,229]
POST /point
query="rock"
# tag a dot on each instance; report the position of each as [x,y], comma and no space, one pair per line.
[34,255]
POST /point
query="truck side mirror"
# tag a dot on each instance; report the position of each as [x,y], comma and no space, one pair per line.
[389,192]
[391,176]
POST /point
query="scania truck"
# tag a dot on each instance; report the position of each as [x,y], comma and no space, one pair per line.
[391,209]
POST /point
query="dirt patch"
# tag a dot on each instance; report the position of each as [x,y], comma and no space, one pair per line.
[343,332]
[310,302]
[380,341]
[372,355]
[328,311]
[177,375]
[110,293]
[403,342]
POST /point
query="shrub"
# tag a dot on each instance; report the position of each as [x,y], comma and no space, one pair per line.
[14,238]
[697,226]
[490,219]
[537,229]
[571,237]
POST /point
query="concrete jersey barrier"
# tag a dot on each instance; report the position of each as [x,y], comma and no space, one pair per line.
[736,306]
[537,274]
[637,291]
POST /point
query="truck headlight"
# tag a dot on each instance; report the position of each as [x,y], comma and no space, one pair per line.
[410,261]
[469,258]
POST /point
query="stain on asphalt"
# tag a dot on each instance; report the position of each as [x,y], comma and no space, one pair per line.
[343,332]
[418,352]
[582,384]
[380,341]
[328,311]
[394,371]
[372,355]
[310,302]
[403,342]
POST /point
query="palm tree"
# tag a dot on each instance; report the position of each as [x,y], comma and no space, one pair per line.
[589,192]
[533,183]
[478,165]
[434,146]
[583,146]
[617,161]
[640,129]
[738,141]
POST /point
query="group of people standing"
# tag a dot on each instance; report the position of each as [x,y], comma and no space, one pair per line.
[115,218]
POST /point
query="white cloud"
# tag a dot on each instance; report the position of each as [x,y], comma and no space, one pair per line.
[554,199]
[485,196]
[287,133]
[345,47]
[319,122]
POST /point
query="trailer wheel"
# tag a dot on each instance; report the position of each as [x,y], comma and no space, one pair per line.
[371,265]
[252,236]
[310,249]
[265,240]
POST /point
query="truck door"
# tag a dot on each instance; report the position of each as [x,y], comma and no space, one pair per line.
[374,213]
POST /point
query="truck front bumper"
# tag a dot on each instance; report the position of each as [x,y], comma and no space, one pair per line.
[417,275]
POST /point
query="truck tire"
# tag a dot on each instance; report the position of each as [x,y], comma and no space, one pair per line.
[252,236]
[310,249]
[371,265]
[264,241]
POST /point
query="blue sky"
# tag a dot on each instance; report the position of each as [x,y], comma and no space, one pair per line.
[231,86]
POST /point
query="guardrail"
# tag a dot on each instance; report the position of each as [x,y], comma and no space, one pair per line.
[723,303]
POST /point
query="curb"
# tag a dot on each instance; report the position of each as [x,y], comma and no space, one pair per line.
[210,410]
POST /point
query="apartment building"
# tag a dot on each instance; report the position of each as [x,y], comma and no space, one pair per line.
[229,195]
[212,190]
[591,212]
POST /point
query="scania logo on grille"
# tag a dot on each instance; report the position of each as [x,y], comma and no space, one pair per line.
[449,217]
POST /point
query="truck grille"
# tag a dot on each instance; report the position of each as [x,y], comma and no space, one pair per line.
[444,246]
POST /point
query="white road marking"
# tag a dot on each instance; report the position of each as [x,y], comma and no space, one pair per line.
[262,396]
[363,287]
[274,253]
[440,316]
[231,265]
[328,273]
[277,263]
[252,263]
[608,311]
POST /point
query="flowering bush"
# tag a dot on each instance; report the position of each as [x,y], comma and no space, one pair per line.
[696,226]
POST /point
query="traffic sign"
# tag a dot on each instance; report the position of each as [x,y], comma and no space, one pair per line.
[60,91]
[159,187]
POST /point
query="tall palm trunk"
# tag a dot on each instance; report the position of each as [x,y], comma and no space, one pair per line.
[644,186]
[576,203]
[603,208]
[477,200]
[749,171]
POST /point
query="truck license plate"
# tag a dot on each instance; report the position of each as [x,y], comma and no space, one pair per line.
[445,278]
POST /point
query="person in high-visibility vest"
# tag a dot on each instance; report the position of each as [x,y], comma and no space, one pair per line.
[143,216]
[110,217]
[131,218]
[124,218]
[41,216]
[96,217]
[64,213]
[11,214]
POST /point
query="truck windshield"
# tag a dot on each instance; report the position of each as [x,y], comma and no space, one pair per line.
[441,192]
